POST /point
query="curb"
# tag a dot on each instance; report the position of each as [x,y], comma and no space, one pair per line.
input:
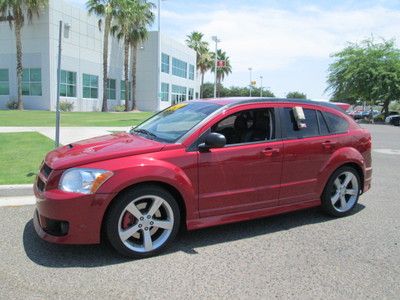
[16,190]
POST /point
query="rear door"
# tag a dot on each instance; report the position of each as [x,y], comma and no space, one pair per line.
[306,152]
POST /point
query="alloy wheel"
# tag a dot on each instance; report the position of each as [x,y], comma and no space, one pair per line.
[345,191]
[146,223]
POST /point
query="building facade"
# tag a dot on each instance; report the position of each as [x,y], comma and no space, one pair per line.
[81,65]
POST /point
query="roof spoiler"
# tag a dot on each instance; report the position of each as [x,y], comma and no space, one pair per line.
[344,106]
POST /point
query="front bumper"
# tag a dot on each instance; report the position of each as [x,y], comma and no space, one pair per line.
[69,218]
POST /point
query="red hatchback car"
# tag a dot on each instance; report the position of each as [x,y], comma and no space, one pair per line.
[199,164]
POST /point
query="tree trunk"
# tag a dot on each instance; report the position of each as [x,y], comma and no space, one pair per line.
[201,85]
[126,73]
[107,24]
[133,71]
[218,87]
[18,28]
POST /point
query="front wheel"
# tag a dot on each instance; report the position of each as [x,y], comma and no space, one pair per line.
[143,221]
[341,192]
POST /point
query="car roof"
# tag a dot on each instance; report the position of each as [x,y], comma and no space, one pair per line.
[233,101]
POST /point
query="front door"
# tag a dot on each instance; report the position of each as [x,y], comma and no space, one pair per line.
[245,174]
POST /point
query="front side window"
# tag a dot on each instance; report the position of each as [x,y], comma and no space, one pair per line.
[164,91]
[164,63]
[32,82]
[179,68]
[90,86]
[247,126]
[172,123]
[111,89]
[4,82]
[292,131]
[191,72]
[123,90]
[336,124]
[68,84]
[178,94]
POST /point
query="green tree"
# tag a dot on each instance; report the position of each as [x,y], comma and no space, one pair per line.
[203,55]
[296,95]
[366,71]
[107,10]
[222,71]
[233,91]
[131,27]
[15,12]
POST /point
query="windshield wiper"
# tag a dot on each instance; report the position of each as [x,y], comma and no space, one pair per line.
[145,131]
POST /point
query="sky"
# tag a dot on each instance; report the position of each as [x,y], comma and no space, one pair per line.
[288,43]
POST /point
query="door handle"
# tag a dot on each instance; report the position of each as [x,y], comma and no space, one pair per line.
[329,145]
[270,152]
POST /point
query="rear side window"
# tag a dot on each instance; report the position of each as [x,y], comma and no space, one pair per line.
[291,127]
[336,124]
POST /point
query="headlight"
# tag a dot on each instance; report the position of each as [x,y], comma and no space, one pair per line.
[84,181]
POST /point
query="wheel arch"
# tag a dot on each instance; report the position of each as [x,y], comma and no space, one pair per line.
[168,187]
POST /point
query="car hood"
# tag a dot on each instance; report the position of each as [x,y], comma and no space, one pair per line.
[100,148]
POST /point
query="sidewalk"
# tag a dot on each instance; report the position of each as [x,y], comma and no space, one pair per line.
[67,134]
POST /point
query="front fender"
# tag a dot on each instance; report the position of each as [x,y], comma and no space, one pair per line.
[342,156]
[137,170]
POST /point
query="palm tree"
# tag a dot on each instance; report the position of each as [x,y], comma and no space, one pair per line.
[15,12]
[142,17]
[107,9]
[222,71]
[203,56]
[204,64]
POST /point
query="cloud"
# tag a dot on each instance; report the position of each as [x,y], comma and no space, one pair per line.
[271,39]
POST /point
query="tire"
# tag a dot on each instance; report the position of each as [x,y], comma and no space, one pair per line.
[396,122]
[131,223]
[339,198]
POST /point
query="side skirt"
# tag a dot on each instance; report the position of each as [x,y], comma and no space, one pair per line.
[249,215]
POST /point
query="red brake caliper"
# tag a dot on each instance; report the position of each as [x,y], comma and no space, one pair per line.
[128,220]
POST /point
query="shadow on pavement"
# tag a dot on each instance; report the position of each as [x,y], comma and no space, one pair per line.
[88,256]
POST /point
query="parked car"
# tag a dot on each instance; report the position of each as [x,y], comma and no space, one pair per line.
[199,164]
[393,120]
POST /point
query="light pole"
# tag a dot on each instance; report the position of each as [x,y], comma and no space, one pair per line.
[216,40]
[57,135]
[251,86]
[261,86]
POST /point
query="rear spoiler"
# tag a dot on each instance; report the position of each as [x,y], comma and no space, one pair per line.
[344,106]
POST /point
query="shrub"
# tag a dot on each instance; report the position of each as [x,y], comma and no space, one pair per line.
[12,104]
[66,106]
[119,108]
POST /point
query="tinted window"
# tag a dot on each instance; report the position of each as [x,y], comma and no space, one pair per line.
[247,126]
[336,124]
[292,131]
[323,128]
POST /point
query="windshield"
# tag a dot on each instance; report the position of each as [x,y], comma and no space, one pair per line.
[172,123]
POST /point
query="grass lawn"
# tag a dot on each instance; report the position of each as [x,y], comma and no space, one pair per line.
[41,118]
[20,156]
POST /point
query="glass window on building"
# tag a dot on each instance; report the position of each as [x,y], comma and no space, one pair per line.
[191,72]
[4,82]
[68,84]
[111,89]
[178,94]
[190,94]
[90,86]
[164,63]
[32,82]
[179,68]
[164,91]
[123,90]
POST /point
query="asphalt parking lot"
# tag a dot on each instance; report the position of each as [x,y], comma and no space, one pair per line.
[298,255]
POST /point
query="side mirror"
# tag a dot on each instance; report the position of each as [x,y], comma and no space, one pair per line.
[213,140]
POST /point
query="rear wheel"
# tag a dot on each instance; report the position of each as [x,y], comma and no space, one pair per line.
[341,192]
[143,221]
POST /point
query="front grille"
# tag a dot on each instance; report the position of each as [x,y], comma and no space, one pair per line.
[46,170]
[40,184]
